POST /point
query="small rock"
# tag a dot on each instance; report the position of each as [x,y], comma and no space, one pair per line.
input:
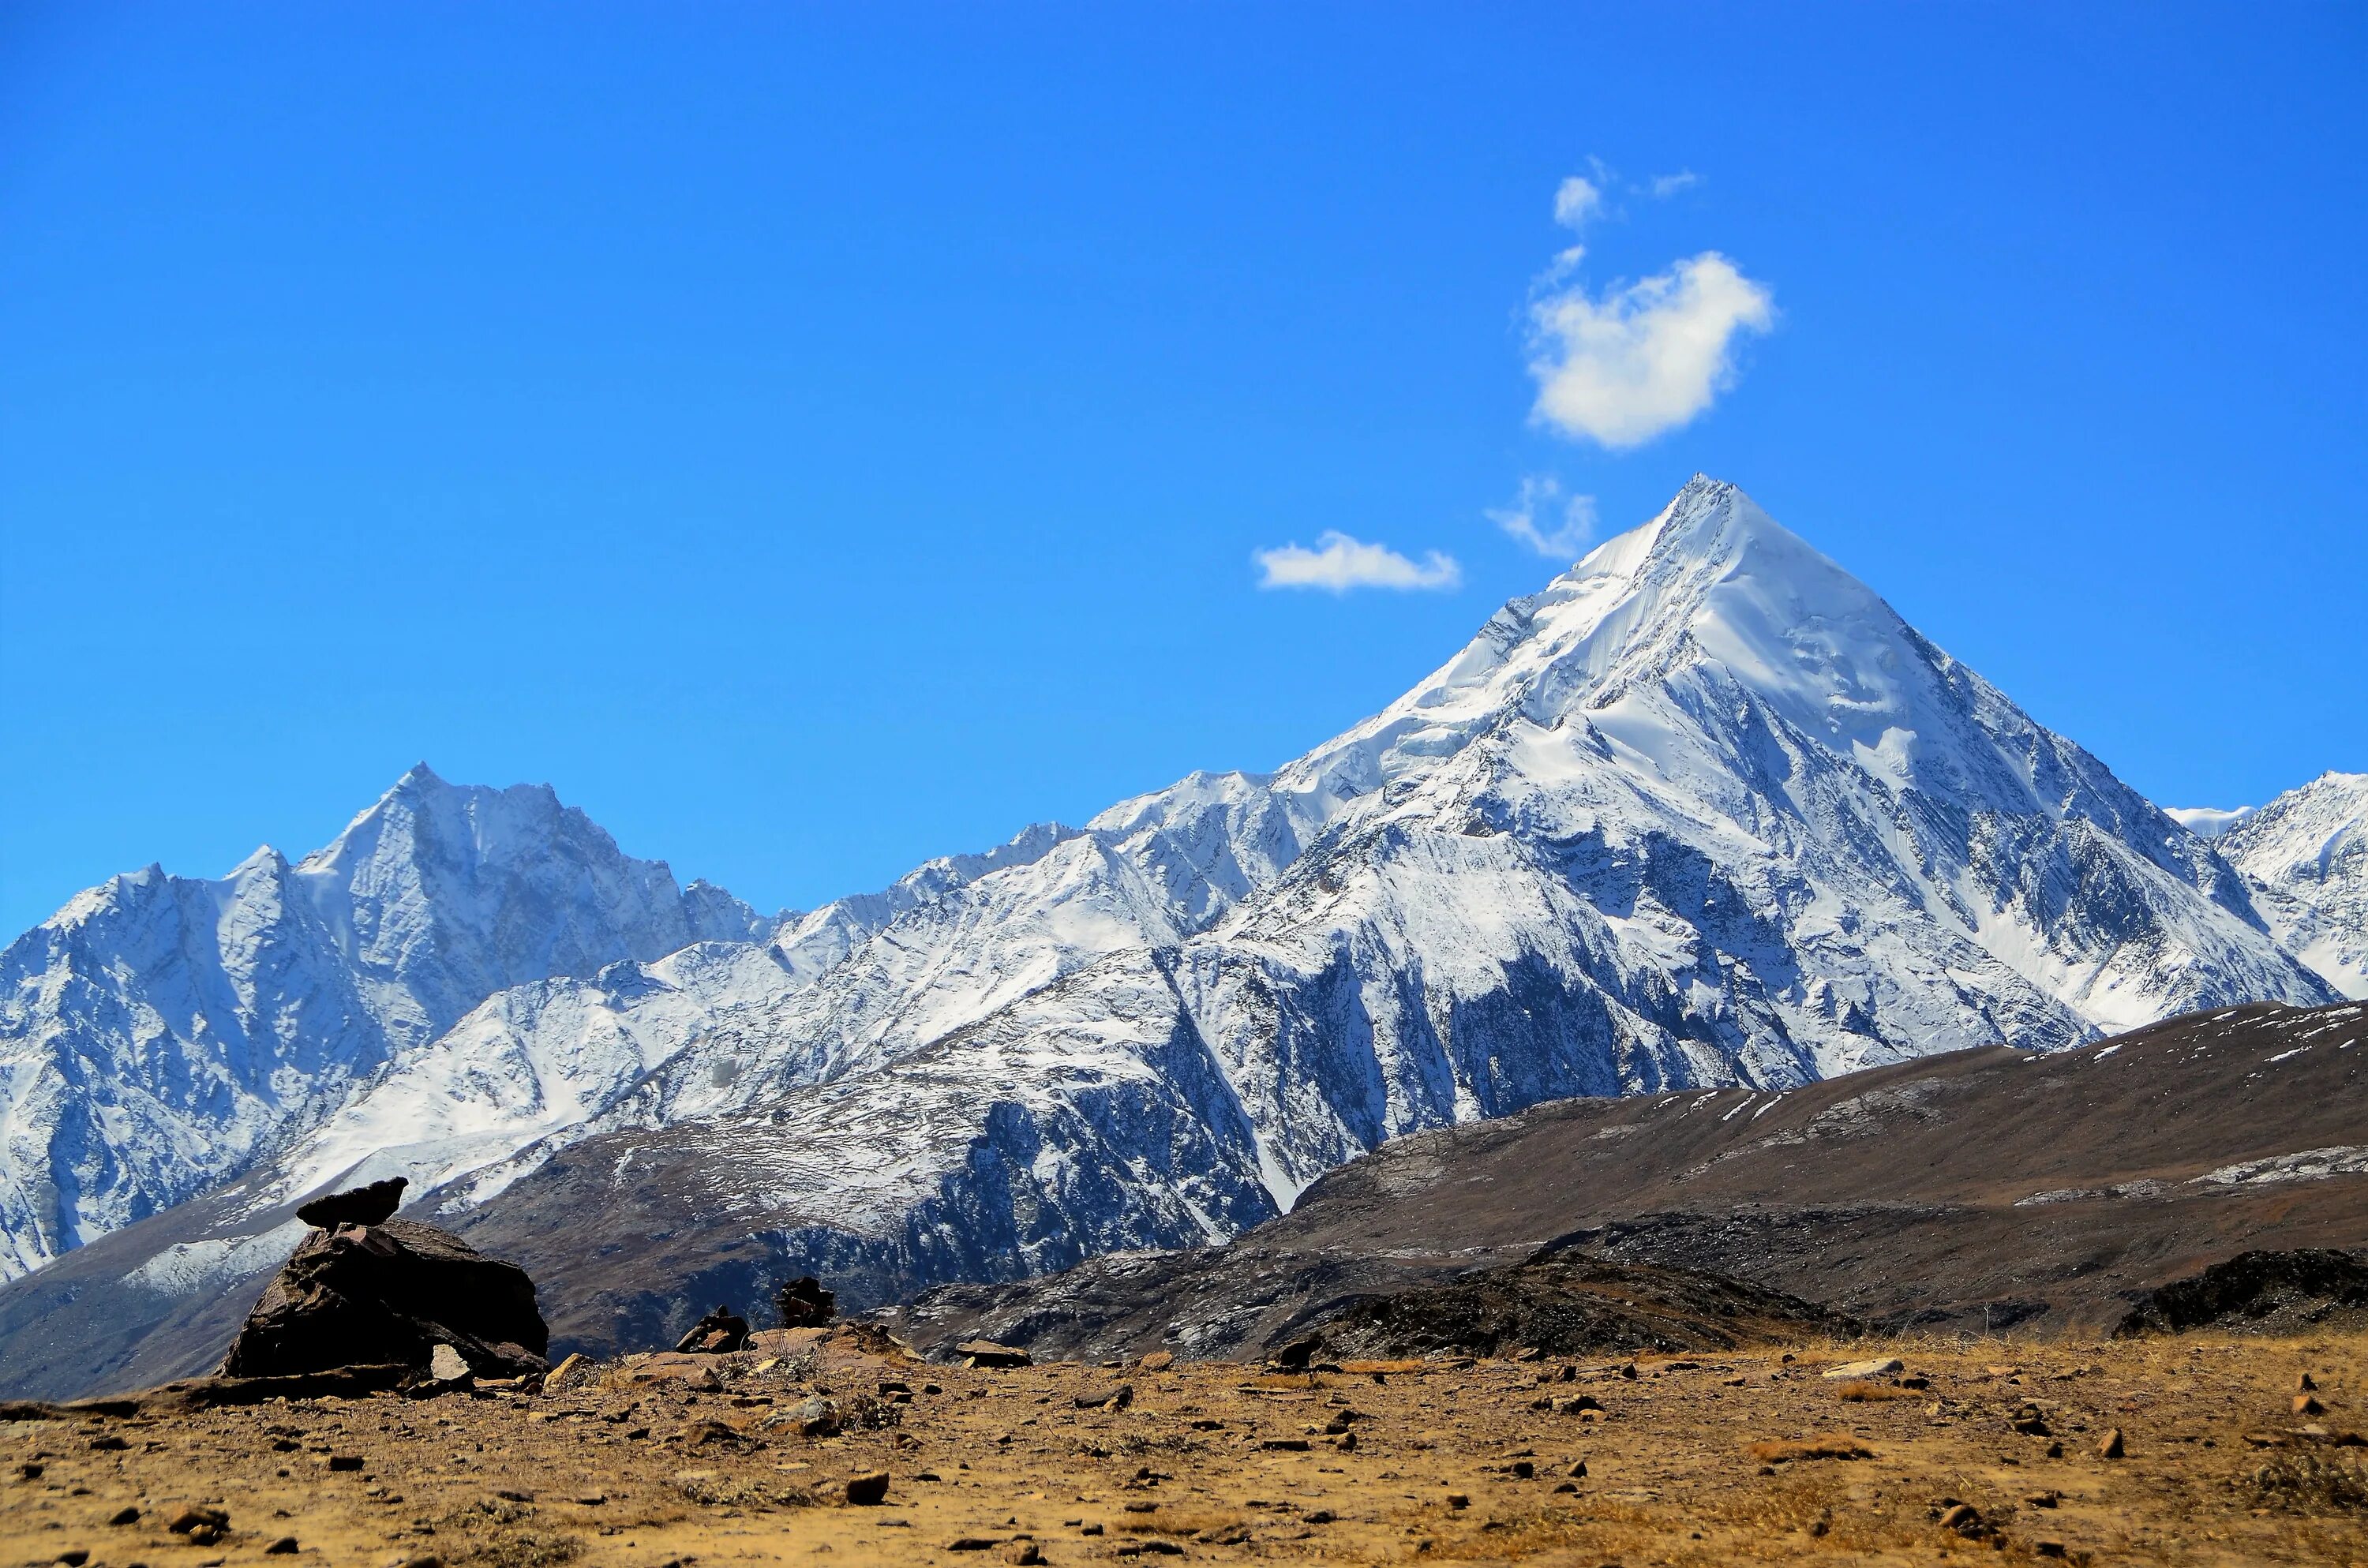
[2111,1447]
[574,1362]
[1459,1500]
[75,1557]
[803,1303]
[1578,1472]
[1883,1367]
[2305,1384]
[345,1461]
[1024,1551]
[1295,1356]
[971,1543]
[284,1547]
[444,1365]
[1117,1398]
[1285,1445]
[1157,1361]
[1321,1516]
[197,1517]
[124,1515]
[28,1472]
[720,1333]
[2304,1405]
[867,1491]
[988,1353]
[109,1444]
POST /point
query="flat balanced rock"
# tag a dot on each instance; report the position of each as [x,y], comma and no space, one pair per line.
[390,1293]
[361,1206]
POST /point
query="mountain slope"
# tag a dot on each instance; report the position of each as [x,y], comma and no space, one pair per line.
[1703,811]
[1980,1190]
[160,1034]
[2307,854]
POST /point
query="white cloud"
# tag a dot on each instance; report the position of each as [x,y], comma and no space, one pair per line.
[1646,357]
[1339,564]
[1666,186]
[1575,201]
[1542,495]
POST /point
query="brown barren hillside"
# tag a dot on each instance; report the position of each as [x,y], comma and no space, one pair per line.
[1975,1191]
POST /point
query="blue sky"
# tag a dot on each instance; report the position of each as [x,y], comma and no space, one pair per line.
[817,438]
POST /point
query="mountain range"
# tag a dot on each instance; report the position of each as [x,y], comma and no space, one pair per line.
[1704,812]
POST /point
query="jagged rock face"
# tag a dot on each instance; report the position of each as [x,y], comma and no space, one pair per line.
[389,1294]
[2308,853]
[1705,810]
[159,1034]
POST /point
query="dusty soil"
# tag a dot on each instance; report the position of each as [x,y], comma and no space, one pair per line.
[1691,1460]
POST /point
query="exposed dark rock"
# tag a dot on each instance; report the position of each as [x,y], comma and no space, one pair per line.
[390,1294]
[988,1353]
[803,1303]
[357,1205]
[720,1333]
[1572,1307]
[2266,1291]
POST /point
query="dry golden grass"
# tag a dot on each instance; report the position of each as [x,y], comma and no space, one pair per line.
[1728,1461]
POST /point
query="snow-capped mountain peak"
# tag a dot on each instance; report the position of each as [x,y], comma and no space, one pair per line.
[1703,810]
[2307,854]
[160,1034]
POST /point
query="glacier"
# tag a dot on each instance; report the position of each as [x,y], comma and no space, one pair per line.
[1703,811]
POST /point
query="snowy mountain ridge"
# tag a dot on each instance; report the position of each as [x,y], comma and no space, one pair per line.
[2307,853]
[1704,811]
[160,1034]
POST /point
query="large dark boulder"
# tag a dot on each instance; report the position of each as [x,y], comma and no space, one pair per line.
[389,1294]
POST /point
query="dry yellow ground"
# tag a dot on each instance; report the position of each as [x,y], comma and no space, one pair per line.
[608,1470]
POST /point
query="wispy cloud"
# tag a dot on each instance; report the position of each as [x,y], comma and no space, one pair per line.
[1664,187]
[1339,564]
[1644,357]
[1576,199]
[1569,520]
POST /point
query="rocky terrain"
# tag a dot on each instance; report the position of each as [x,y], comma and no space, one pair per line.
[839,1448]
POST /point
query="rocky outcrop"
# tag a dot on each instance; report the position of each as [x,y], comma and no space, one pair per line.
[390,1294]
[2258,1292]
